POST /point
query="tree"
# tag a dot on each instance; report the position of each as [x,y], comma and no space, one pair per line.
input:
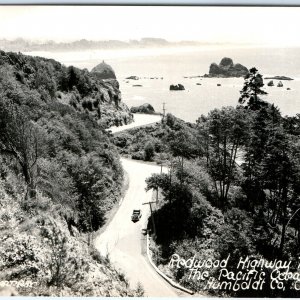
[149,151]
[252,89]
[19,138]
[183,145]
[223,132]
[263,123]
[280,171]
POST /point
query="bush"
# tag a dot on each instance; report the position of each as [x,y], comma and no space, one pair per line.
[138,155]
[65,267]
[149,151]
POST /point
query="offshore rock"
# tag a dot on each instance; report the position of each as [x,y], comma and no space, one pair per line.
[103,71]
[227,68]
[280,78]
[177,87]
[280,84]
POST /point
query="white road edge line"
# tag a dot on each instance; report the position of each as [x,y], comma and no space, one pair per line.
[169,280]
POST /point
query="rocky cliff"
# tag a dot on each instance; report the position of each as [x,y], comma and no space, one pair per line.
[226,68]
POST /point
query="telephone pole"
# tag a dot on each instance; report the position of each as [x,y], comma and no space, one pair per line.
[161,167]
[152,218]
[164,110]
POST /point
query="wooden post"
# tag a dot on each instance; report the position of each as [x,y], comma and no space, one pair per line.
[164,110]
[152,217]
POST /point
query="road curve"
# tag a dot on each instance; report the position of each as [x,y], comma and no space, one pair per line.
[122,238]
[140,120]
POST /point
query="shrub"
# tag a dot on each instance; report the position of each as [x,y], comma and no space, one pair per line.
[149,151]
[65,267]
[138,155]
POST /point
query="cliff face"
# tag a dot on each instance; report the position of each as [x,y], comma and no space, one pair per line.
[227,68]
[79,88]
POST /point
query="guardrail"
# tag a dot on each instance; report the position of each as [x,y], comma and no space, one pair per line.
[169,280]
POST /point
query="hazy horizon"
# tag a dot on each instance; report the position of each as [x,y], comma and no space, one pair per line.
[131,42]
[220,25]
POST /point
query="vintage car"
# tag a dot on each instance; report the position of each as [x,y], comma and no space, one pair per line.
[136,215]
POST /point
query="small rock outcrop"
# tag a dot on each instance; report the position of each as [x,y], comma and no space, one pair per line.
[145,108]
[227,68]
[177,87]
[133,77]
[279,78]
[103,71]
[271,83]
[279,84]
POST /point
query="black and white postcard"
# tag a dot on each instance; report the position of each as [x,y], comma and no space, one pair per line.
[150,151]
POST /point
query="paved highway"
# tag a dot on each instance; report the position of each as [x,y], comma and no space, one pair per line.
[140,120]
[122,238]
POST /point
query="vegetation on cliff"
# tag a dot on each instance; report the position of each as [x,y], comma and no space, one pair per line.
[81,89]
[59,175]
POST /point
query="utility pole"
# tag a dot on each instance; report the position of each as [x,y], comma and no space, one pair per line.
[161,166]
[164,110]
[152,218]
[170,170]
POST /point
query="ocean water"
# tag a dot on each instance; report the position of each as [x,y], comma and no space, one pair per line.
[171,65]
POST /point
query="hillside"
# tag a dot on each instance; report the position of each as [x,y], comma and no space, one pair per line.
[59,176]
[69,85]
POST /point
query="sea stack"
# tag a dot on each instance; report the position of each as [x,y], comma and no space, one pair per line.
[103,71]
[177,87]
[226,68]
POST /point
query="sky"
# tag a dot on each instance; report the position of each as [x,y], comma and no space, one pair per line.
[254,25]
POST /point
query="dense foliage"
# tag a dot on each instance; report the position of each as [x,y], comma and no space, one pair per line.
[59,175]
[68,85]
[234,187]
[152,143]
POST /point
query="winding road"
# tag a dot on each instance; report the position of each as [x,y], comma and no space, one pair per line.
[122,238]
[140,120]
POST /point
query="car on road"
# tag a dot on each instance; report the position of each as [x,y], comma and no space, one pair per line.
[136,215]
